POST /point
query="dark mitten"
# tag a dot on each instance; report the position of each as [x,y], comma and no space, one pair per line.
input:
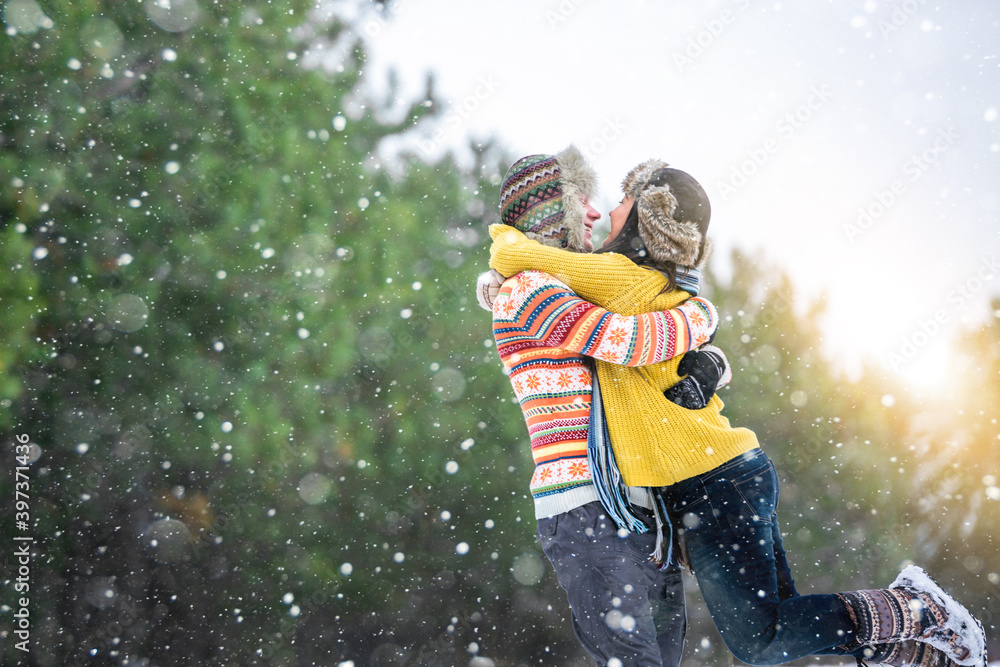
[703,369]
[687,394]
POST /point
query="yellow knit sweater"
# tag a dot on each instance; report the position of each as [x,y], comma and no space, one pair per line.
[656,442]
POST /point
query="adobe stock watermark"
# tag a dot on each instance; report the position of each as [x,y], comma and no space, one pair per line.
[611,131]
[784,130]
[912,169]
[713,28]
[927,329]
[458,113]
[901,14]
[562,13]
[22,543]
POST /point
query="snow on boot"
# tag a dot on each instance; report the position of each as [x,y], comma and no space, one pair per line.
[914,607]
[948,625]
[909,653]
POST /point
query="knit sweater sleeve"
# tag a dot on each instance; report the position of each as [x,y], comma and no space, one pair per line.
[535,309]
[608,280]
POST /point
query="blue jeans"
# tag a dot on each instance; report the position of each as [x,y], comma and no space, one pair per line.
[728,521]
[623,605]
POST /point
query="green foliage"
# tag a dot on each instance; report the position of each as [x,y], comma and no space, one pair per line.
[955,490]
[261,402]
[18,313]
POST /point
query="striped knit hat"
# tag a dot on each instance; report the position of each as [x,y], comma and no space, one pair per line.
[673,214]
[540,196]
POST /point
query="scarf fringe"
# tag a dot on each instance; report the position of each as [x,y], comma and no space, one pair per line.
[607,478]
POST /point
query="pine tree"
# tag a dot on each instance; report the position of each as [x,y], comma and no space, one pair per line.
[266,424]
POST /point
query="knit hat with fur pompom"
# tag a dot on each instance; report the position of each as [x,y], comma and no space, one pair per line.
[674,213]
[541,194]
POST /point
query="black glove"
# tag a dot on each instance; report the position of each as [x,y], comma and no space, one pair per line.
[704,370]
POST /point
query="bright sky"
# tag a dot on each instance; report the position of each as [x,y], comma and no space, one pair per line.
[853,144]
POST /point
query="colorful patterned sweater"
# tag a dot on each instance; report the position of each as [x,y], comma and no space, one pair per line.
[656,442]
[543,331]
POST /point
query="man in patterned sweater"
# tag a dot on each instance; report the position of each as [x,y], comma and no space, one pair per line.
[624,606]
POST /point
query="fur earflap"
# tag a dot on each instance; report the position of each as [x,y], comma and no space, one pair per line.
[705,254]
[577,178]
[667,239]
[576,171]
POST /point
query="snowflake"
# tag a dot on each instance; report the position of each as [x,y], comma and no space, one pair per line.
[696,316]
[525,281]
[505,308]
[617,337]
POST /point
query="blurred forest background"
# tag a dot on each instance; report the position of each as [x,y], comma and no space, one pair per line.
[267,423]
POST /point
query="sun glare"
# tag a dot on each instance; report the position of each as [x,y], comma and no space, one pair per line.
[916,353]
[927,372]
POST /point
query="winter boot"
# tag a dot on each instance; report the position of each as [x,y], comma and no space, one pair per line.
[914,607]
[909,653]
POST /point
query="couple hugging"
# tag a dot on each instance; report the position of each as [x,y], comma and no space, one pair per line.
[637,472]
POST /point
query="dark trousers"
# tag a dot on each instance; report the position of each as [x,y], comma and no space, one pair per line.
[623,605]
[729,523]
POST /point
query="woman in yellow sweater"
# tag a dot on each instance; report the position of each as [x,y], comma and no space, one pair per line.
[713,481]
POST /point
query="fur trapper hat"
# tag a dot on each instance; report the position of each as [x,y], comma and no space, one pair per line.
[674,213]
[540,196]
